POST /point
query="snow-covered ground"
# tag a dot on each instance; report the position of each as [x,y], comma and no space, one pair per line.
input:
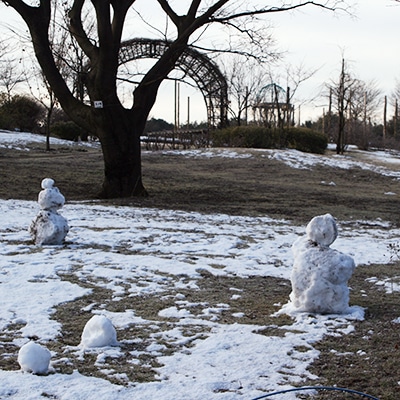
[134,252]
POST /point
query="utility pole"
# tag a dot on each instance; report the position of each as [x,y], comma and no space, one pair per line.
[177,105]
[396,114]
[384,120]
[176,124]
[188,113]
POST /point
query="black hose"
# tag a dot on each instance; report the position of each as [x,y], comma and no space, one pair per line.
[317,388]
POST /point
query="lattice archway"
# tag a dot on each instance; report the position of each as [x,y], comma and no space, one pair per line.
[196,65]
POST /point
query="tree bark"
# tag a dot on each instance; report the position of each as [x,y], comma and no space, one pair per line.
[119,133]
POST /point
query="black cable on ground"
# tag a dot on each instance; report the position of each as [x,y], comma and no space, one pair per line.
[367,396]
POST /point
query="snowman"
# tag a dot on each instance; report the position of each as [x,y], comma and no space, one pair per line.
[320,274]
[49,227]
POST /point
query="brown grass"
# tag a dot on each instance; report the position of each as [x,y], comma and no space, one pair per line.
[246,186]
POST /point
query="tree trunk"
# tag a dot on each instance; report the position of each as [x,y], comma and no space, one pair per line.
[341,112]
[384,120]
[48,123]
[122,176]
[119,133]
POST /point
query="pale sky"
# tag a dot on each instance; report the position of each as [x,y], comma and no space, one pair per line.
[367,38]
[312,37]
[368,41]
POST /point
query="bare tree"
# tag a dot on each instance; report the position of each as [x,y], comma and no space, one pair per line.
[11,74]
[396,90]
[42,90]
[119,128]
[395,98]
[245,79]
[46,98]
[366,101]
[365,98]
[356,103]
[340,93]
[295,76]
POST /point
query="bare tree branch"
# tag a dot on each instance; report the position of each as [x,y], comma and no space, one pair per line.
[76,27]
[270,10]
[169,11]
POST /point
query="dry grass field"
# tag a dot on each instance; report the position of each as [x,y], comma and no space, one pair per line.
[240,186]
[250,186]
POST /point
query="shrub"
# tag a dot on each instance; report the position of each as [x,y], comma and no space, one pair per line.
[22,113]
[68,131]
[302,139]
[306,140]
[246,136]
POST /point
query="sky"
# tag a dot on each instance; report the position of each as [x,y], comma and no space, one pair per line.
[367,38]
[162,253]
[367,41]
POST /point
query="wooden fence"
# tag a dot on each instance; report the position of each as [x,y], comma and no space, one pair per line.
[176,139]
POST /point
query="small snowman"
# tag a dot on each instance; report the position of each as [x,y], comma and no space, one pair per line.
[49,227]
[320,274]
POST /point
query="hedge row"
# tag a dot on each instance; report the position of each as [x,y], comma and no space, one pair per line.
[302,139]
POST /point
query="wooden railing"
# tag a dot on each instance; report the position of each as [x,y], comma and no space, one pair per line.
[182,139]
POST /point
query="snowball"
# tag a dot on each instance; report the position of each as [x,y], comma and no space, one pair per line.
[322,230]
[320,274]
[47,183]
[32,357]
[99,332]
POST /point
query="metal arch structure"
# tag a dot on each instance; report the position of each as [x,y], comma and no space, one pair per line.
[273,89]
[205,73]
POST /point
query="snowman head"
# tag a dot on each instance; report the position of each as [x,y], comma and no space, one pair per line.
[47,183]
[322,230]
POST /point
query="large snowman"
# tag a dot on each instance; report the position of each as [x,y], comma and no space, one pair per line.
[320,274]
[49,227]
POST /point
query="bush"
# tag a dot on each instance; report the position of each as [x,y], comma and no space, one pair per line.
[22,113]
[302,139]
[68,131]
[306,140]
[246,136]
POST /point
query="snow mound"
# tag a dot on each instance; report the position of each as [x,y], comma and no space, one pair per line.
[32,357]
[98,332]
